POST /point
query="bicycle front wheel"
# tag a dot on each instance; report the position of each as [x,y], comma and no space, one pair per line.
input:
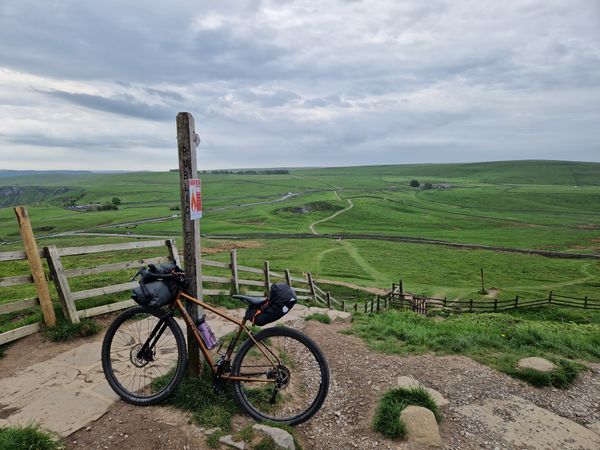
[144,355]
[287,373]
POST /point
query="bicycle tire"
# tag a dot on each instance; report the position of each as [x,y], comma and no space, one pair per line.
[121,345]
[303,357]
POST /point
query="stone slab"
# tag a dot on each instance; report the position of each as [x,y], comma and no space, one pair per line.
[526,425]
[533,362]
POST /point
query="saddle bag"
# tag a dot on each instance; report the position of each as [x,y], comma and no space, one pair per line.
[280,301]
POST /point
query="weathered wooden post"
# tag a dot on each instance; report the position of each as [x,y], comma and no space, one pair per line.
[585,302]
[372,306]
[62,284]
[173,252]
[311,286]
[35,265]
[377,302]
[328,300]
[496,304]
[401,287]
[267,274]
[366,306]
[288,278]
[356,307]
[550,298]
[516,302]
[344,305]
[187,140]
[235,286]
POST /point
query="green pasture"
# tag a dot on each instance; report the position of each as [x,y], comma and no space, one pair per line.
[547,205]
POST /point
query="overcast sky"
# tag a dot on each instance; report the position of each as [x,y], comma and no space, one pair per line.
[97,84]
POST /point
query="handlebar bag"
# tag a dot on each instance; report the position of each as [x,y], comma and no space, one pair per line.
[281,300]
[155,294]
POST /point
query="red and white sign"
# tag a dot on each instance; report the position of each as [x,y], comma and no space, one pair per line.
[195,199]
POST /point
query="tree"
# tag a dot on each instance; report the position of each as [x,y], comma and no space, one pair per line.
[414,183]
[116,201]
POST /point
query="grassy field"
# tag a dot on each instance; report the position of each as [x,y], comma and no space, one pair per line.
[527,204]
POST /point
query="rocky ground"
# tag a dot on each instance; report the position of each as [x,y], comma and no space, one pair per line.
[487,409]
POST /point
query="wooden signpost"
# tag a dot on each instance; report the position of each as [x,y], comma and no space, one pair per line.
[187,140]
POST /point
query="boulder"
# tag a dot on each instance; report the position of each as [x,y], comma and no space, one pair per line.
[421,426]
[539,364]
[410,382]
[282,438]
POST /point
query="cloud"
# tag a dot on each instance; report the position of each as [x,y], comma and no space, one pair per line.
[299,82]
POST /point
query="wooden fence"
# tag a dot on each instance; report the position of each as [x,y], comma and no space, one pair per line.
[396,298]
[234,278]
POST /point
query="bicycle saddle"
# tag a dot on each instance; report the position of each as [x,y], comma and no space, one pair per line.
[253,301]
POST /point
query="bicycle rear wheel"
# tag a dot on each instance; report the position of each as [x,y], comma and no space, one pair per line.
[289,373]
[144,355]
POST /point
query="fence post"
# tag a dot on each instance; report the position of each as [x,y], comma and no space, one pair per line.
[585,302]
[355,307]
[235,286]
[35,265]
[516,302]
[267,277]
[311,286]
[366,306]
[550,298]
[385,302]
[62,283]
[401,287]
[288,279]
[328,300]
[371,306]
[377,302]
[496,304]
[344,305]
[471,305]
[187,140]
[173,252]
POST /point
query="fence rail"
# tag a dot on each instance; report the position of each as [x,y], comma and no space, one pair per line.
[222,284]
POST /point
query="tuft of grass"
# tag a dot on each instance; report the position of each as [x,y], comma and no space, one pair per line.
[197,395]
[319,317]
[387,415]
[65,331]
[561,377]
[27,438]
[213,440]
[266,443]
[246,434]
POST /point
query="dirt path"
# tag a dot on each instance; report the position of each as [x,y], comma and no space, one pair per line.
[312,225]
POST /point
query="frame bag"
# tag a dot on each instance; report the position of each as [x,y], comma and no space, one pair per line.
[281,299]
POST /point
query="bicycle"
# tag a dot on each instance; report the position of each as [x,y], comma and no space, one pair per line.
[278,374]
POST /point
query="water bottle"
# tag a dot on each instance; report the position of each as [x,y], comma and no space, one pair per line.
[208,337]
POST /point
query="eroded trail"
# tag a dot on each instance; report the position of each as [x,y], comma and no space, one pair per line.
[311,227]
